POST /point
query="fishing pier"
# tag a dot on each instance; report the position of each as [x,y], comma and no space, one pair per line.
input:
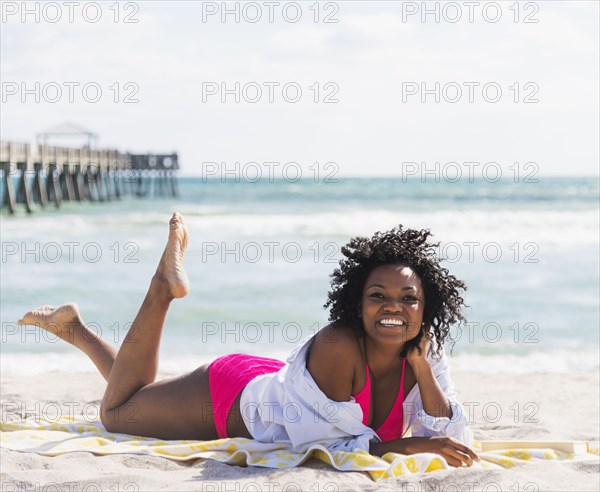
[41,175]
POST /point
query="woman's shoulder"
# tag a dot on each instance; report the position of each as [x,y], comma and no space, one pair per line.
[337,340]
[332,361]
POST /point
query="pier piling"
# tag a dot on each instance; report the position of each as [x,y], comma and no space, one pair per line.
[10,199]
[78,183]
[66,183]
[40,194]
[53,185]
[24,192]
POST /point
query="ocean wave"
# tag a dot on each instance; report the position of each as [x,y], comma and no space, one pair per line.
[550,228]
[556,361]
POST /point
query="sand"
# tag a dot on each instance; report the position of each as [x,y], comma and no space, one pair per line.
[533,406]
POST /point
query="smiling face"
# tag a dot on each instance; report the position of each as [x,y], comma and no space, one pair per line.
[392,304]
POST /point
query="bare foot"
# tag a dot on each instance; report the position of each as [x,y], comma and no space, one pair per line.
[170,268]
[62,321]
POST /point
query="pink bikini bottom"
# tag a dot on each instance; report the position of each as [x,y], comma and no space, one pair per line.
[228,376]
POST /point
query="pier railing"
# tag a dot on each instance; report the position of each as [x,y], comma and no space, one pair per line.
[41,174]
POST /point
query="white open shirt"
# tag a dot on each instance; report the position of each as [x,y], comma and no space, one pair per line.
[289,407]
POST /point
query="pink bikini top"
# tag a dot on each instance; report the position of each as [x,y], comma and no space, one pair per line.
[393,425]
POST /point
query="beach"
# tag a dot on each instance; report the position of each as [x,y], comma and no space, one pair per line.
[283,133]
[525,364]
[543,406]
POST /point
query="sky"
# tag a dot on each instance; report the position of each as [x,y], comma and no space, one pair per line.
[349,84]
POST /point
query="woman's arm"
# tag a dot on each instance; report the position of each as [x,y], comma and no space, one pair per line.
[425,412]
[454,452]
[434,401]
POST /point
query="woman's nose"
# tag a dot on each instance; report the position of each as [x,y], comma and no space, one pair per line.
[393,305]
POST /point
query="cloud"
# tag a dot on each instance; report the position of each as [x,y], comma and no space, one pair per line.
[369,53]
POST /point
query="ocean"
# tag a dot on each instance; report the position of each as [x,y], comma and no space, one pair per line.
[261,253]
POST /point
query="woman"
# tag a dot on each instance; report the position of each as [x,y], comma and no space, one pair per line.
[390,301]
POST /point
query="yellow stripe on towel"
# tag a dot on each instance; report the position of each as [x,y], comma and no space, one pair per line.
[65,436]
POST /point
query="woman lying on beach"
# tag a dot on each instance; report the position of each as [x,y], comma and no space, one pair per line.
[376,371]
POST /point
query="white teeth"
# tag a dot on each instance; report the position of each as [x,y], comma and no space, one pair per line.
[396,322]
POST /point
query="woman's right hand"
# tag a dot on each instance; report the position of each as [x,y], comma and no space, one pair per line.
[454,452]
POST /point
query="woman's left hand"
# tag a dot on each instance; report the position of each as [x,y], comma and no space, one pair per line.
[414,357]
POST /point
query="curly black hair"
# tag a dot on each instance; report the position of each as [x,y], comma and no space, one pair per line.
[409,247]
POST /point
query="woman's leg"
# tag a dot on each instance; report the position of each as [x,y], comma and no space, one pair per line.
[169,282]
[65,322]
[131,402]
[176,408]
[136,363]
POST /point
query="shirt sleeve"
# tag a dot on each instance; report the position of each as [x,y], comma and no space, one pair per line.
[424,425]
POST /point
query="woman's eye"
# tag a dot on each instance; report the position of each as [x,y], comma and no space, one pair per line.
[377,295]
[410,298]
